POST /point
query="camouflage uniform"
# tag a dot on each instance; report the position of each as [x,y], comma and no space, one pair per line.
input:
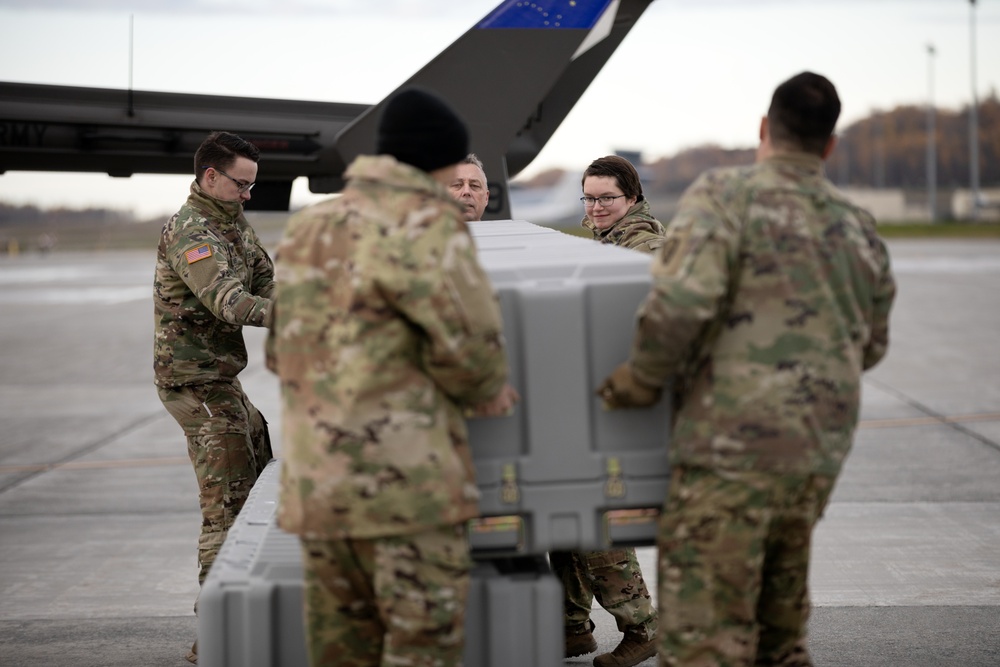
[613,577]
[637,230]
[771,295]
[212,277]
[385,329]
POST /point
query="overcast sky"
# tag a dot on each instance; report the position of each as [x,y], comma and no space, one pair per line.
[690,72]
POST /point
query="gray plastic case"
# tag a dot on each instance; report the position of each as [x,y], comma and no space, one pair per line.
[562,472]
[250,609]
[514,619]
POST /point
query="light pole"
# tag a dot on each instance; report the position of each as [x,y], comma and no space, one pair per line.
[931,139]
[973,118]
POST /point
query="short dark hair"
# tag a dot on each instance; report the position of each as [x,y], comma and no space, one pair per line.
[220,150]
[803,113]
[621,170]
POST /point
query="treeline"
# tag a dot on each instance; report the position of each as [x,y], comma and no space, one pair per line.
[885,150]
[889,150]
[29,228]
[12,216]
[671,175]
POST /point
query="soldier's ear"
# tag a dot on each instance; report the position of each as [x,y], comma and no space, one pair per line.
[831,143]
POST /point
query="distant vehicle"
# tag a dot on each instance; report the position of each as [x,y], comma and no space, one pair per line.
[513,76]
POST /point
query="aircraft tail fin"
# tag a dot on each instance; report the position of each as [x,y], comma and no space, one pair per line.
[514,76]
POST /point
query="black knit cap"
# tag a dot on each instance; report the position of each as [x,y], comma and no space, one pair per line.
[421,129]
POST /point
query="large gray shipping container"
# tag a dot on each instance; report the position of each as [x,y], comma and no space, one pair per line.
[560,473]
[250,608]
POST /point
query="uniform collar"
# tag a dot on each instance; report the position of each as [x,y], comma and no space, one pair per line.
[390,171]
[640,208]
[797,160]
[217,209]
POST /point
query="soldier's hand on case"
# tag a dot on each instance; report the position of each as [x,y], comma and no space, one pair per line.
[621,389]
[500,406]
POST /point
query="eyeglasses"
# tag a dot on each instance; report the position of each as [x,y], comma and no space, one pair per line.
[606,200]
[241,187]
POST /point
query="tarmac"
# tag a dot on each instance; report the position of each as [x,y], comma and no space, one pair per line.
[99,514]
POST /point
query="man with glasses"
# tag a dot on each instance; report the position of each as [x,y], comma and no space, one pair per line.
[212,277]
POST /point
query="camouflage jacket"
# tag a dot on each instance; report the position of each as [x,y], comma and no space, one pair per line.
[771,295]
[212,277]
[384,328]
[637,230]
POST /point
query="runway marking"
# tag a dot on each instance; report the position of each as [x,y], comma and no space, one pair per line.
[183,460]
[923,421]
[84,465]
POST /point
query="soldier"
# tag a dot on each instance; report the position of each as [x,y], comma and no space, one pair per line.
[386,330]
[616,210]
[617,214]
[614,577]
[469,187]
[770,296]
[212,277]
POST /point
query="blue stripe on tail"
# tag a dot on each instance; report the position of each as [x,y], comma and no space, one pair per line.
[556,14]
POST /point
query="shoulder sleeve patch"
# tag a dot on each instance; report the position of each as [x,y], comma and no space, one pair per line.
[674,249]
[198,253]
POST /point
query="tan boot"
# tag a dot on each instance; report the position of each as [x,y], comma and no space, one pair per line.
[582,643]
[192,655]
[632,650]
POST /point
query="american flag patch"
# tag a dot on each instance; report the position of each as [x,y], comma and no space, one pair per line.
[201,252]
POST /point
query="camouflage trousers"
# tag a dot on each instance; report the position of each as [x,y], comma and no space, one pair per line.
[614,578]
[394,601]
[228,445]
[734,565]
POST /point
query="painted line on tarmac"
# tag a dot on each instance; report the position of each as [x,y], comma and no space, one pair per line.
[936,416]
[183,460]
[72,458]
[84,465]
[923,421]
